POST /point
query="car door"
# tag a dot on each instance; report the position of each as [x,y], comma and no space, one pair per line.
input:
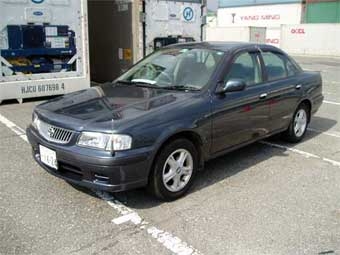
[240,117]
[284,88]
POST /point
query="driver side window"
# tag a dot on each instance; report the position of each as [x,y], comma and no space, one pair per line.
[246,68]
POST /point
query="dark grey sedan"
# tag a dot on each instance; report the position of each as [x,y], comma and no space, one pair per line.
[159,122]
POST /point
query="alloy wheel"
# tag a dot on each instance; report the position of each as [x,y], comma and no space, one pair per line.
[300,122]
[177,170]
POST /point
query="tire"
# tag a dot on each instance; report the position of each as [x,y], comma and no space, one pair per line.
[299,124]
[168,164]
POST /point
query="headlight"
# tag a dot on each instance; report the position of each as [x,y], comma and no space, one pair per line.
[105,141]
[35,121]
[120,142]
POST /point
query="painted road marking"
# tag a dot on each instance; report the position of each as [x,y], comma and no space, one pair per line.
[331,102]
[133,217]
[333,134]
[334,82]
[303,153]
[169,241]
[16,129]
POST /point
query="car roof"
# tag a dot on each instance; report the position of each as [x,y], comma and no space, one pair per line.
[222,46]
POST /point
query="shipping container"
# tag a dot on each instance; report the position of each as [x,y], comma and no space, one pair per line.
[43,48]
[238,3]
[48,47]
[122,32]
[236,34]
[323,11]
[269,15]
[311,39]
[273,36]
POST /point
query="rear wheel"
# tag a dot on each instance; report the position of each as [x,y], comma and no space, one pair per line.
[298,127]
[174,170]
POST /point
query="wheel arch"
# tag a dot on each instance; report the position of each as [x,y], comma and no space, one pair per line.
[190,135]
[308,103]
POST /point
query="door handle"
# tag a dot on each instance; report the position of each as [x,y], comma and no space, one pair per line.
[298,86]
[263,96]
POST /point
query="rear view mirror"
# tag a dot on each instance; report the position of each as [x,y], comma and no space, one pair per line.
[231,86]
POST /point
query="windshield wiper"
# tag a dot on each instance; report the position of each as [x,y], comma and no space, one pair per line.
[182,87]
[139,84]
[125,82]
[145,84]
[144,81]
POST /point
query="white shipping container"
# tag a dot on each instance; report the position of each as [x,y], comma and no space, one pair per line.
[122,32]
[311,39]
[43,48]
[260,15]
[236,34]
[172,18]
[273,36]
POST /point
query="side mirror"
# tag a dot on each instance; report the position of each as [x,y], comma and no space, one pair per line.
[232,85]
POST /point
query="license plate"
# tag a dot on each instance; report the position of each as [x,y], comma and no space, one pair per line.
[48,157]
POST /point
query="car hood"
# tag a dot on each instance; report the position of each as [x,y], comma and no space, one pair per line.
[105,107]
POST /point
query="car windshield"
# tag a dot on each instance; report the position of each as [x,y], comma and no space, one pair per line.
[177,68]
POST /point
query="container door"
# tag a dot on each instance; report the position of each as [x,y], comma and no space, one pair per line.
[110,38]
[258,34]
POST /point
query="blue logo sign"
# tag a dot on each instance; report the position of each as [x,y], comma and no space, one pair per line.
[188,13]
[38,13]
[38,1]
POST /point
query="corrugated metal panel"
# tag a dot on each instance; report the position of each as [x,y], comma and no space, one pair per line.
[323,12]
[235,3]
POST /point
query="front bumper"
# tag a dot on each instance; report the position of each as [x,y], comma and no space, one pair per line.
[94,169]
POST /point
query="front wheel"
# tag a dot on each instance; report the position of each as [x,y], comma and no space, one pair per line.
[174,170]
[298,127]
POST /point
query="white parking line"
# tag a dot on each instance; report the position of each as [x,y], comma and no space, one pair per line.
[334,82]
[331,102]
[169,241]
[303,153]
[328,93]
[333,134]
[18,130]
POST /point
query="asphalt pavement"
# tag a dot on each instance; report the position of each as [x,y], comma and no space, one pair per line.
[267,198]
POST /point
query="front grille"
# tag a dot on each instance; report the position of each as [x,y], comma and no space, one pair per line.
[54,134]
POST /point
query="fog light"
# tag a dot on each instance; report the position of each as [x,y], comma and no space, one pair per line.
[101,179]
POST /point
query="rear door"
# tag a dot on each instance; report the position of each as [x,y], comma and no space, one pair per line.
[239,117]
[284,88]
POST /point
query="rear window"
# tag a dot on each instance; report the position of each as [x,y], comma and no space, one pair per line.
[275,66]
